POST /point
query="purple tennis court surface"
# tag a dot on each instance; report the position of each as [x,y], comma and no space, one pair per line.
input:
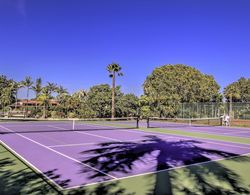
[76,158]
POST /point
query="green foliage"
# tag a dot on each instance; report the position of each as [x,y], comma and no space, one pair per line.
[37,88]
[113,69]
[127,106]
[99,99]
[170,85]
[239,90]
[7,91]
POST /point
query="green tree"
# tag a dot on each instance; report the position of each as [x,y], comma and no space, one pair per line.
[127,106]
[99,100]
[78,105]
[114,69]
[17,86]
[239,90]
[144,105]
[28,84]
[170,85]
[7,91]
[44,98]
[7,95]
[37,88]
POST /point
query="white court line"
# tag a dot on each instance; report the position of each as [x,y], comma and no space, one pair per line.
[236,132]
[86,144]
[104,137]
[180,137]
[155,172]
[30,165]
[71,145]
[64,155]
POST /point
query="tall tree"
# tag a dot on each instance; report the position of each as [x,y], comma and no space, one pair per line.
[239,91]
[46,95]
[52,87]
[170,85]
[127,105]
[28,84]
[114,69]
[37,88]
[99,99]
[7,94]
[17,86]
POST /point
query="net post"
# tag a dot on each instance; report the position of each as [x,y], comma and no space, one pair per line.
[221,121]
[148,122]
[137,122]
[190,122]
[73,125]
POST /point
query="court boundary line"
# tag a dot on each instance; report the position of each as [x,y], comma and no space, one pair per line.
[155,172]
[237,132]
[76,131]
[87,144]
[57,152]
[30,165]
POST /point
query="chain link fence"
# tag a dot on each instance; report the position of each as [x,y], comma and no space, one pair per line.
[237,110]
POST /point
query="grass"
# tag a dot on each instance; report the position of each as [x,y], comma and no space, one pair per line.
[17,178]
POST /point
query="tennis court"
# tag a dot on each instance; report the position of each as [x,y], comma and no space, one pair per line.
[82,153]
[210,126]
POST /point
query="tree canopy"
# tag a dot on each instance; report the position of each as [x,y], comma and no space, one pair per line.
[170,85]
[239,90]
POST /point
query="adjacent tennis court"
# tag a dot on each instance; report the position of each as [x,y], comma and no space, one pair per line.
[209,125]
[87,152]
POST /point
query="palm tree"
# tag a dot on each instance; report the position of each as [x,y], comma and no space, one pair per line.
[7,95]
[46,95]
[61,90]
[17,86]
[44,98]
[52,87]
[114,69]
[37,88]
[27,83]
[62,98]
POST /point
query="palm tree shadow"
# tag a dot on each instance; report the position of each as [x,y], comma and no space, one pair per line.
[123,158]
[113,188]
[25,181]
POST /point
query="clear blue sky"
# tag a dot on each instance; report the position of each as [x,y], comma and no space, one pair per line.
[71,42]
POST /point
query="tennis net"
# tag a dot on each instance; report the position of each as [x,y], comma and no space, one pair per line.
[158,122]
[28,125]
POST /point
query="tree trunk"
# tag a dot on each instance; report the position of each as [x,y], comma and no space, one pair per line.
[113,96]
[16,101]
[26,112]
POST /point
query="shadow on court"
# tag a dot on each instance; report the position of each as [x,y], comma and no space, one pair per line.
[22,180]
[210,178]
[19,179]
